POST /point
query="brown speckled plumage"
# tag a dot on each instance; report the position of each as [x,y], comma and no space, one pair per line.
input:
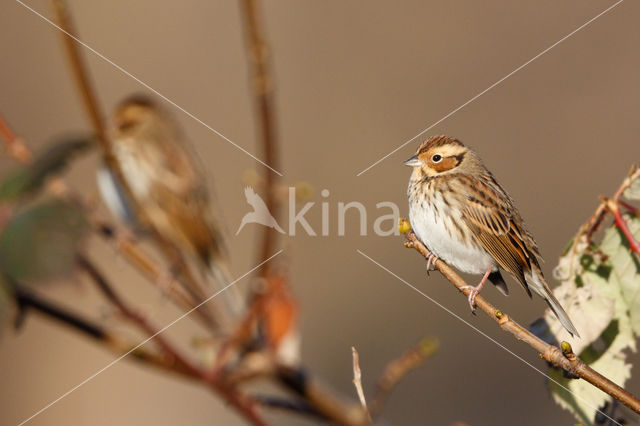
[453,196]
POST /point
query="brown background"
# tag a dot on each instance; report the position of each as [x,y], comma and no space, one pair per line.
[354,80]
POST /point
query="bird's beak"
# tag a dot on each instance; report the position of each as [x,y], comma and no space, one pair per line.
[413,162]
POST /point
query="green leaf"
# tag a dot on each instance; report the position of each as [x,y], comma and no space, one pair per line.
[605,309]
[29,179]
[583,399]
[625,272]
[41,242]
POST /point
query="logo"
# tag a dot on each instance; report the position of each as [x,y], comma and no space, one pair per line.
[384,225]
[260,213]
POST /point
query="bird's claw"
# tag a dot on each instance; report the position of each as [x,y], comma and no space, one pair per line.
[431,262]
[473,293]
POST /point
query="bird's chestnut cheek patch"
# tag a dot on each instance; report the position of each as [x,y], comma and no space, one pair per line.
[445,164]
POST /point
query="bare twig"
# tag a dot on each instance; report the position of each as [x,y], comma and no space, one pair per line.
[295,406]
[610,206]
[15,145]
[78,66]
[89,97]
[398,368]
[320,398]
[357,382]
[128,248]
[552,354]
[29,300]
[240,402]
[262,84]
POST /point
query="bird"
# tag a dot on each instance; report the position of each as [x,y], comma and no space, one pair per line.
[164,194]
[260,213]
[460,212]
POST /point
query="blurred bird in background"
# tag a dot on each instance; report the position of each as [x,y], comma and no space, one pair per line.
[165,195]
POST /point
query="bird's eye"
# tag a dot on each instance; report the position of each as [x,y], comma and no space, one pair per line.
[436,158]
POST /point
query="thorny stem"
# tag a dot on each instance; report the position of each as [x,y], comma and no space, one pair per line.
[624,227]
[610,206]
[571,363]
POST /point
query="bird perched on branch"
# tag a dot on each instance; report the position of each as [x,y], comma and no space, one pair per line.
[164,193]
[464,217]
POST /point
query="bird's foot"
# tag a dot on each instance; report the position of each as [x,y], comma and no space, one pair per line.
[473,293]
[431,262]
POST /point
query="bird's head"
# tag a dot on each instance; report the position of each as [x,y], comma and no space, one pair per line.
[440,155]
[132,113]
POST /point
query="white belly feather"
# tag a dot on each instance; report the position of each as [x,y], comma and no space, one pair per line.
[431,229]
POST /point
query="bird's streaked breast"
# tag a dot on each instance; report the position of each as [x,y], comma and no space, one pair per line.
[436,218]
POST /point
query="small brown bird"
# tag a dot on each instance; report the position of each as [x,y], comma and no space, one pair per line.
[464,217]
[171,199]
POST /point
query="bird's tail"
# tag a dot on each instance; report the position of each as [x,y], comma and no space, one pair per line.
[537,283]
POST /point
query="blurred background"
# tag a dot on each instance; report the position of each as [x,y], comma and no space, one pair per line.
[354,80]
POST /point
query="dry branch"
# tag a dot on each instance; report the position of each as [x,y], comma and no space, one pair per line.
[243,404]
[316,400]
[357,382]
[263,93]
[90,101]
[154,273]
[567,360]
[29,300]
[398,368]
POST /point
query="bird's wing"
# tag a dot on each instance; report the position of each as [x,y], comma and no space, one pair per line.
[494,223]
[178,202]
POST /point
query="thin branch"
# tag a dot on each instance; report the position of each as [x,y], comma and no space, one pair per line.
[295,406]
[263,93]
[320,398]
[163,280]
[28,300]
[89,97]
[129,313]
[398,368]
[15,145]
[78,66]
[624,227]
[240,402]
[567,361]
[357,382]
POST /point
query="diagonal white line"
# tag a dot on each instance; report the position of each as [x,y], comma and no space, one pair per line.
[486,335]
[112,363]
[127,73]
[492,86]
